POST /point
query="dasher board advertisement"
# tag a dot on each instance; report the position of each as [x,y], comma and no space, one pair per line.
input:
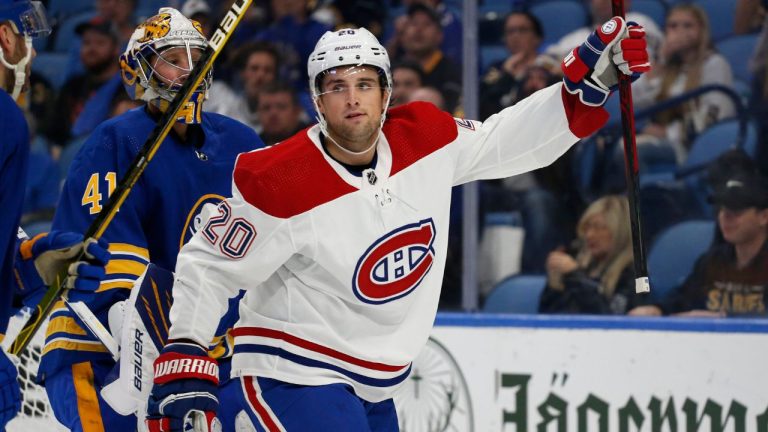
[484,373]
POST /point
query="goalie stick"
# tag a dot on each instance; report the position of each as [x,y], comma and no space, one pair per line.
[56,291]
[642,285]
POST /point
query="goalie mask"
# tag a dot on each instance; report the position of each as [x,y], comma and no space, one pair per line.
[160,57]
[29,21]
[347,47]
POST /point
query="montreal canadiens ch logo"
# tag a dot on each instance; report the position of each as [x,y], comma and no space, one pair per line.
[395,264]
[609,27]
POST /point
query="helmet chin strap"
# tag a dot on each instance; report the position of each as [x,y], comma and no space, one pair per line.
[19,69]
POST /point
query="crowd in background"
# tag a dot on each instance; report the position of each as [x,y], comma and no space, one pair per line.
[573,213]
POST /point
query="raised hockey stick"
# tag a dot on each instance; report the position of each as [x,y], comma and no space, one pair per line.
[55,292]
[642,285]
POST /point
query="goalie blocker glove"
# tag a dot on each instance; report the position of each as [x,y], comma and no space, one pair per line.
[590,69]
[185,390]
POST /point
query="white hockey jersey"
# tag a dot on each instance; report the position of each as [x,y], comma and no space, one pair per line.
[344,272]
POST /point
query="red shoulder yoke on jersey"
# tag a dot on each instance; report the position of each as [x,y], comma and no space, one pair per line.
[293,177]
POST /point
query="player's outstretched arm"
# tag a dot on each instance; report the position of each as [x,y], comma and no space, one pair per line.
[10,395]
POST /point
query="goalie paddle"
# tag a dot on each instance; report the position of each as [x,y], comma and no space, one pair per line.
[224,30]
[642,285]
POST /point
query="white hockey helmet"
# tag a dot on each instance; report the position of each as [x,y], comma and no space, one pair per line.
[168,29]
[347,47]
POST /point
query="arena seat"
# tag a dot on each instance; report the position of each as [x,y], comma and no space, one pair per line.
[516,294]
[672,256]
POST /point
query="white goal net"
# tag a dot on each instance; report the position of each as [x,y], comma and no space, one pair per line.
[36,413]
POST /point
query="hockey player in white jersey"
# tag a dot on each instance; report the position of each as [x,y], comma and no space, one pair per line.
[339,236]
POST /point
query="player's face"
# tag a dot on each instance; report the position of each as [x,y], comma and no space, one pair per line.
[172,66]
[598,237]
[14,53]
[352,102]
[742,226]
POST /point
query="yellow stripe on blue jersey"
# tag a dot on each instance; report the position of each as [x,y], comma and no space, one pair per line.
[125,266]
[129,249]
[65,324]
[87,401]
[74,345]
[115,283]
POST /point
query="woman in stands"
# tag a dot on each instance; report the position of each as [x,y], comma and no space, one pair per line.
[686,62]
[599,278]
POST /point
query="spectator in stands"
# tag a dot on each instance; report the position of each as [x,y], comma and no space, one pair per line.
[452,44]
[686,62]
[543,197]
[759,98]
[200,11]
[256,65]
[121,14]
[98,51]
[731,278]
[599,279]
[522,37]
[601,11]
[354,14]
[294,34]
[407,76]
[279,112]
[428,94]
[749,16]
[421,43]
[42,191]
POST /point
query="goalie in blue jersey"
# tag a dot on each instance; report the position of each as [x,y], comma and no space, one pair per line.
[192,168]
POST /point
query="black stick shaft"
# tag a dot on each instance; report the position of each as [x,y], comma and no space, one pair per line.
[632,169]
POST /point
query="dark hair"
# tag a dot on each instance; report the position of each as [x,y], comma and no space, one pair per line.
[245,51]
[409,64]
[537,28]
[430,12]
[281,87]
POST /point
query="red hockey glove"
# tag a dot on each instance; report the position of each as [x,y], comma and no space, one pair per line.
[185,390]
[590,69]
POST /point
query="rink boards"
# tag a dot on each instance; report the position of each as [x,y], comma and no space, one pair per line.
[547,373]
